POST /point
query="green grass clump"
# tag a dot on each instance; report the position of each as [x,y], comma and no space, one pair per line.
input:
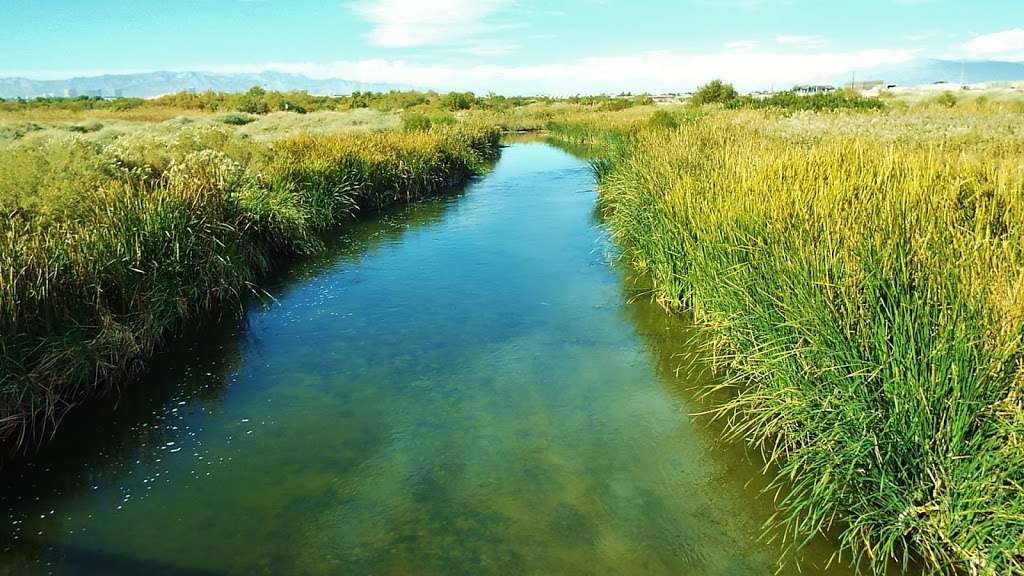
[413,121]
[946,100]
[105,249]
[865,300]
[664,120]
[10,132]
[238,119]
[85,128]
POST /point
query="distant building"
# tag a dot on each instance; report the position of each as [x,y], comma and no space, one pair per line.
[118,93]
[70,93]
[666,98]
[93,93]
[813,89]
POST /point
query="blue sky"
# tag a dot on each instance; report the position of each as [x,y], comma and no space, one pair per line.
[505,45]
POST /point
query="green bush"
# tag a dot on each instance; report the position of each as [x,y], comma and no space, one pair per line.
[946,99]
[289,106]
[456,101]
[714,92]
[254,101]
[822,102]
[416,122]
[237,119]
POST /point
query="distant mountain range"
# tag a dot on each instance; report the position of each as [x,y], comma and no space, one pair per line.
[928,71]
[153,84]
[148,85]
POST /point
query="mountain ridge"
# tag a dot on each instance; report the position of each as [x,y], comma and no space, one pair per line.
[152,84]
[932,70]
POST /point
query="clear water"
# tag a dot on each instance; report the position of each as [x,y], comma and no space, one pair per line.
[464,386]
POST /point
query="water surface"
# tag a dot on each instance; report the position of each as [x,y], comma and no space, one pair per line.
[464,386]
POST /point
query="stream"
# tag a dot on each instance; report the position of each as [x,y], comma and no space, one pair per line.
[467,385]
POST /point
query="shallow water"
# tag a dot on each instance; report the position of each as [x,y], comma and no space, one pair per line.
[469,385]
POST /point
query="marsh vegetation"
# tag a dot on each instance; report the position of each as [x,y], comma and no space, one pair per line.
[861,277]
[856,265]
[107,247]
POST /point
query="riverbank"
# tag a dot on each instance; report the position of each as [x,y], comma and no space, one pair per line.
[461,385]
[108,247]
[860,277]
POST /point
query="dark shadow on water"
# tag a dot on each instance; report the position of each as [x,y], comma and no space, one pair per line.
[79,561]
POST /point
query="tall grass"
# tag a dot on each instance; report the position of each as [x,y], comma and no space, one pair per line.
[106,249]
[866,301]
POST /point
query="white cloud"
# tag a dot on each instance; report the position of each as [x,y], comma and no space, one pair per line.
[663,71]
[1006,45]
[743,45]
[405,23]
[801,41]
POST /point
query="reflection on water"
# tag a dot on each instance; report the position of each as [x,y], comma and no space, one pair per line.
[456,387]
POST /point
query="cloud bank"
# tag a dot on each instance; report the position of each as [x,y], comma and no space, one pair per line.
[741,63]
[661,71]
[408,23]
[1005,45]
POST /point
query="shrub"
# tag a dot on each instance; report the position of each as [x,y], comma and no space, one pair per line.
[416,122]
[288,106]
[822,102]
[946,99]
[254,101]
[456,101]
[237,119]
[714,92]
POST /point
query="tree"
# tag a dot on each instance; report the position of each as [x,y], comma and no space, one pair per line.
[254,101]
[714,92]
[458,100]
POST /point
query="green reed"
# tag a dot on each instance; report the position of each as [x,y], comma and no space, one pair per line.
[865,302]
[106,249]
